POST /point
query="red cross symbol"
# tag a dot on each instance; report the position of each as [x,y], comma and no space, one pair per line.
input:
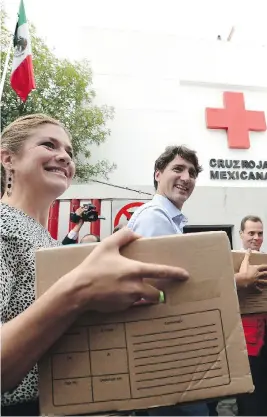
[236,120]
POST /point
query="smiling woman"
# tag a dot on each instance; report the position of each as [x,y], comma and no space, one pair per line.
[32,146]
[37,167]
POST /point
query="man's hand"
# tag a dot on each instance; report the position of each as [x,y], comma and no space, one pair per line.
[77,227]
[106,281]
[79,212]
[251,275]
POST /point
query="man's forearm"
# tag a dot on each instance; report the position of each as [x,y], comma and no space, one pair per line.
[78,227]
[72,236]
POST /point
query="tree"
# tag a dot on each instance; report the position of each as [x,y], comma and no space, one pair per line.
[63,91]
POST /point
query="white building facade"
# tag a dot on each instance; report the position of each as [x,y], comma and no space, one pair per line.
[161,87]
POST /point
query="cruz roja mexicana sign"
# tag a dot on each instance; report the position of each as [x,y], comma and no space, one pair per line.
[238,169]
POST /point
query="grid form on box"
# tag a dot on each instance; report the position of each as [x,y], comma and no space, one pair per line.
[132,360]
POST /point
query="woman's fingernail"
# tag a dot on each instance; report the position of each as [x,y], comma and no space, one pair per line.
[161,297]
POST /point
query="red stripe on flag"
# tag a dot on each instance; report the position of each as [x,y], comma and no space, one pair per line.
[22,79]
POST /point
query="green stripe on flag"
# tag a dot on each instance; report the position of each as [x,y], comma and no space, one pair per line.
[22,15]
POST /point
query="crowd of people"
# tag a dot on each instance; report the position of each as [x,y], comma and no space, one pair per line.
[37,167]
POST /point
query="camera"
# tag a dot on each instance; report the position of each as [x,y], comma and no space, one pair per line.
[89,215]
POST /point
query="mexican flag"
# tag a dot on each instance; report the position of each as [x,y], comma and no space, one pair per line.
[22,77]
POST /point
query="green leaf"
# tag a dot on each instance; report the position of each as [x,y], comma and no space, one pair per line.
[63,91]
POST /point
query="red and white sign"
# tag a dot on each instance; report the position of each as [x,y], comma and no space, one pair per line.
[236,120]
[125,212]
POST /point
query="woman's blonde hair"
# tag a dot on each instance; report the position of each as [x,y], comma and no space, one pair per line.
[17,132]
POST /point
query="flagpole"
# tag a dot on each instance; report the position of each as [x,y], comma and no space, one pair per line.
[5,68]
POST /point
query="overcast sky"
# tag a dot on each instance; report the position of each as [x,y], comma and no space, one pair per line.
[62,23]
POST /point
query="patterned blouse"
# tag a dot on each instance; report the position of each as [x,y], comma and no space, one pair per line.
[21,235]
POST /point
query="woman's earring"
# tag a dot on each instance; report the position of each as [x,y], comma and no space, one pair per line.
[9,183]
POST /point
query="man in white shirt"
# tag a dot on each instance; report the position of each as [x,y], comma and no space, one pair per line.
[175,175]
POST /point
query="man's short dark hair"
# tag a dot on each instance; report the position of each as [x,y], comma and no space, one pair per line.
[91,234]
[170,153]
[254,219]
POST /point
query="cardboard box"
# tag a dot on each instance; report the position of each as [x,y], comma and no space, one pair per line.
[188,349]
[250,300]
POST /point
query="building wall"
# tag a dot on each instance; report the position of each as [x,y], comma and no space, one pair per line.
[222,206]
[160,86]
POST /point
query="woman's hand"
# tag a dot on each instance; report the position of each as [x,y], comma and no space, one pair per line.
[106,281]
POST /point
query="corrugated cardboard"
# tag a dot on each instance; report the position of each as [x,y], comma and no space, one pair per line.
[250,300]
[188,349]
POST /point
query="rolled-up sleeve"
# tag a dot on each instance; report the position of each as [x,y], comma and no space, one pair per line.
[152,221]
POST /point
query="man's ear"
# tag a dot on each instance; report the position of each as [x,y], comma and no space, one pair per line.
[240,233]
[157,175]
[6,159]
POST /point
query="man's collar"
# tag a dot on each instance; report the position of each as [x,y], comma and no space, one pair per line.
[173,211]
